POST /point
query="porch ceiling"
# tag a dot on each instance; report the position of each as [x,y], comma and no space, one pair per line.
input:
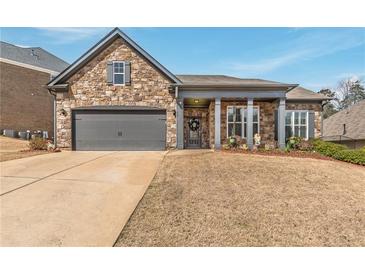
[197,102]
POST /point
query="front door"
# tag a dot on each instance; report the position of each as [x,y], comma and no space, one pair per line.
[194,133]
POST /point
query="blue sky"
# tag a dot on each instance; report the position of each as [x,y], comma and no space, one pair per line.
[313,57]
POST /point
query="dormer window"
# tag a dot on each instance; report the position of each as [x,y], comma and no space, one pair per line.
[118,73]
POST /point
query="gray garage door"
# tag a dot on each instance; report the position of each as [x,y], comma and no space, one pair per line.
[119,129]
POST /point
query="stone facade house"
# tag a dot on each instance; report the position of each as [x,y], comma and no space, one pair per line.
[25,102]
[118,97]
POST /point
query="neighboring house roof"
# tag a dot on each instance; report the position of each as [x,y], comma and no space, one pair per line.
[300,93]
[354,119]
[100,46]
[33,56]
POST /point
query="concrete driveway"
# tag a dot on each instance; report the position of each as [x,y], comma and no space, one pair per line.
[72,198]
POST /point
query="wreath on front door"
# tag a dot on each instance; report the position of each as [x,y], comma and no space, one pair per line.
[194,124]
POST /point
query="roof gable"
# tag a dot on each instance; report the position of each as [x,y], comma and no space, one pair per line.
[99,47]
[300,93]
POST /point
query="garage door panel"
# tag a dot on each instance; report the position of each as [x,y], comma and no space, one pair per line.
[119,130]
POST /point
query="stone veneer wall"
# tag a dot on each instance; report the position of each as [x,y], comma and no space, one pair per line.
[88,87]
[211,123]
[316,107]
[201,113]
[267,119]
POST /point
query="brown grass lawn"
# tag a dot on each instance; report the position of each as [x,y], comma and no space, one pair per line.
[222,199]
[11,148]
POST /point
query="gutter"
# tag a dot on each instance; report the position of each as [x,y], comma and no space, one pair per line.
[57,88]
[288,87]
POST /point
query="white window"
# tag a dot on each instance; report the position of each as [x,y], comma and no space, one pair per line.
[237,121]
[118,73]
[296,124]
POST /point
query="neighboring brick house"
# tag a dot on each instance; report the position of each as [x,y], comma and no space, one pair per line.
[117,97]
[25,101]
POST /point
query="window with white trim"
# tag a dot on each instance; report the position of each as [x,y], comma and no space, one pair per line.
[118,73]
[237,121]
[296,124]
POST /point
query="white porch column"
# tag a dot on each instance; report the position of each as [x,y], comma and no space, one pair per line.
[281,123]
[217,123]
[249,133]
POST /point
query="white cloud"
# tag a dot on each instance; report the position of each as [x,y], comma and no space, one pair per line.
[71,35]
[309,45]
[269,64]
[352,75]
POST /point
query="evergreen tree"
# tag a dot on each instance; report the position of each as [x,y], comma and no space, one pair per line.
[329,108]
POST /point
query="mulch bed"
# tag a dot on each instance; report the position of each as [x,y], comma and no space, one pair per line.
[293,153]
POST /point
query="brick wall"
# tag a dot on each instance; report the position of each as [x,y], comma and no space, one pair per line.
[24,102]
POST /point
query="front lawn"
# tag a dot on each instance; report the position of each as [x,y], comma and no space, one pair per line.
[226,199]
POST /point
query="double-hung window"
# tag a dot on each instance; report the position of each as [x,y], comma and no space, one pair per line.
[118,73]
[296,124]
[237,121]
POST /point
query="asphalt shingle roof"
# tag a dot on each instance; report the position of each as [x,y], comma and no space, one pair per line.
[222,80]
[354,119]
[300,93]
[34,56]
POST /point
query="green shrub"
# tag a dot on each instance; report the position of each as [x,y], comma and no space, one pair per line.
[340,152]
[351,155]
[293,143]
[306,145]
[38,144]
[232,141]
[327,148]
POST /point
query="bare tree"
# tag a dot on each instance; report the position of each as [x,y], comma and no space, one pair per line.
[348,92]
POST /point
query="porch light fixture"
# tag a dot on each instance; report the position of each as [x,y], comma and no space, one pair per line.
[196,101]
[63,112]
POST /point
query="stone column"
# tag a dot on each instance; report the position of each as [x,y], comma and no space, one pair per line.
[281,123]
[180,123]
[249,133]
[217,123]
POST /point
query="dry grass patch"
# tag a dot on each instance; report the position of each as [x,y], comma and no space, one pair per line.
[222,199]
[11,148]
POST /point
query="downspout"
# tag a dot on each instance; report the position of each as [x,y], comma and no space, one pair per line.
[323,104]
[54,117]
[176,115]
[176,92]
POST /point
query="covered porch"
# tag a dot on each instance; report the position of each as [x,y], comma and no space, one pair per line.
[205,117]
